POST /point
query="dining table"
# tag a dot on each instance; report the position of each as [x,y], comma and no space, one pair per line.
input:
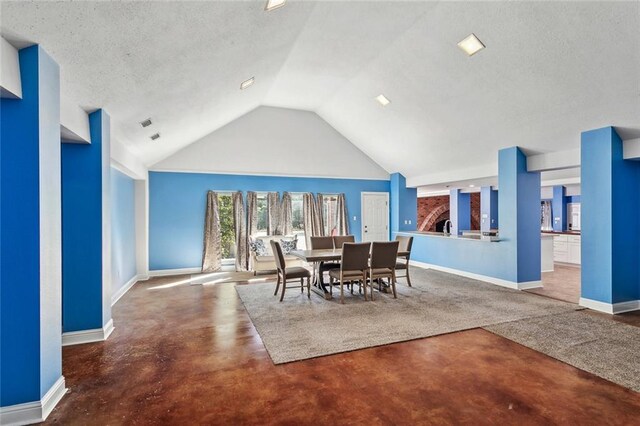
[319,256]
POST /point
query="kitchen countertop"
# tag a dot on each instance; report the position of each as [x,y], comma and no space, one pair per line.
[562,232]
[473,237]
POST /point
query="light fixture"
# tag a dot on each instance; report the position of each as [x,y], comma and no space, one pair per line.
[472,186]
[146,123]
[471,45]
[155,136]
[247,83]
[274,4]
[384,101]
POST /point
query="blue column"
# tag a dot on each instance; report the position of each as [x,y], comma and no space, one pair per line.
[404,204]
[460,211]
[610,221]
[30,319]
[559,208]
[519,211]
[86,231]
[488,209]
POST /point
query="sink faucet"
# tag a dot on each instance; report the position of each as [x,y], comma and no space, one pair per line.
[446,229]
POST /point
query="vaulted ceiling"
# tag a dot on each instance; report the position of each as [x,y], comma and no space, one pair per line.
[550,71]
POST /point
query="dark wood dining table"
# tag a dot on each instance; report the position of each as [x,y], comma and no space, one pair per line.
[320,256]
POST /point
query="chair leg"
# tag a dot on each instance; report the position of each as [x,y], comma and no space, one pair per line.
[341,289]
[308,288]
[408,277]
[364,283]
[284,287]
[277,285]
[301,285]
[370,285]
[393,284]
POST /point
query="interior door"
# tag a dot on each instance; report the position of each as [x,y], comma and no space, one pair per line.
[375,216]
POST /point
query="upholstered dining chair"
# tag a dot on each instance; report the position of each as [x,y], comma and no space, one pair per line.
[339,240]
[289,273]
[405,243]
[353,267]
[384,256]
[323,243]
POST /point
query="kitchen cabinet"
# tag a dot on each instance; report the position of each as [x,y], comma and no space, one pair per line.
[566,248]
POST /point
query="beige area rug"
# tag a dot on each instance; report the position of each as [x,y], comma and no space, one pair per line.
[601,346]
[301,328]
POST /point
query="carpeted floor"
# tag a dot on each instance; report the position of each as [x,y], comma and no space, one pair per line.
[601,346]
[301,328]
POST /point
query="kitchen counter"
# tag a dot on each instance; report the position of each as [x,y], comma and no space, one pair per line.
[562,232]
[472,237]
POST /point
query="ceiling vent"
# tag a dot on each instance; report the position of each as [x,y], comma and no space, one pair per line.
[155,136]
[146,123]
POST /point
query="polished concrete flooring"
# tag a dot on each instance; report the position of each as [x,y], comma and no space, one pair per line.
[189,354]
[562,284]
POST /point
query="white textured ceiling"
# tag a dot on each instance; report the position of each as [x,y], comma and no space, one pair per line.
[550,71]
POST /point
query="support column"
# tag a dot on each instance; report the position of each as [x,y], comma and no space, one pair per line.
[519,211]
[30,265]
[610,224]
[404,205]
[559,208]
[488,209]
[86,242]
[460,211]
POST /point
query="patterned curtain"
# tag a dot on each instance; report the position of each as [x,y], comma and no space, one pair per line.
[252,222]
[285,224]
[342,220]
[312,218]
[273,213]
[239,225]
[212,251]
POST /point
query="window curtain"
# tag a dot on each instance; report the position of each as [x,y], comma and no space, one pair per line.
[212,251]
[252,222]
[342,219]
[273,213]
[239,225]
[285,224]
[312,218]
[320,207]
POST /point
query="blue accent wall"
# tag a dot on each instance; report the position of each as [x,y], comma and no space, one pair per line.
[82,223]
[559,208]
[404,204]
[30,354]
[516,258]
[488,208]
[123,230]
[177,208]
[610,202]
[460,211]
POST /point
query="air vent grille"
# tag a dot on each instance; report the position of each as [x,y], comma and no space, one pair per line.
[155,136]
[146,123]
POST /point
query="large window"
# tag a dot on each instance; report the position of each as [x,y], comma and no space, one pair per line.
[262,213]
[227,231]
[330,214]
[297,216]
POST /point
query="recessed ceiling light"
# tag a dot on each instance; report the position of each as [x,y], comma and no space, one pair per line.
[146,123]
[155,136]
[384,101]
[472,186]
[471,45]
[247,83]
[274,4]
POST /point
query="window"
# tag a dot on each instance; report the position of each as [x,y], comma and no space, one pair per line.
[330,213]
[297,219]
[262,213]
[227,231]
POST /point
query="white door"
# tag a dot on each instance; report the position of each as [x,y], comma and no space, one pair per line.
[375,216]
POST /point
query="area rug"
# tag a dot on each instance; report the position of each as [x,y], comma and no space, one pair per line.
[601,346]
[301,328]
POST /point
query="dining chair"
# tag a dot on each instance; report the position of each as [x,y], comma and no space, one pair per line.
[405,243]
[323,243]
[384,256]
[353,267]
[339,240]
[294,272]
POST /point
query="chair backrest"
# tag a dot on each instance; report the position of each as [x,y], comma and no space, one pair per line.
[384,254]
[339,240]
[405,243]
[318,243]
[277,253]
[355,256]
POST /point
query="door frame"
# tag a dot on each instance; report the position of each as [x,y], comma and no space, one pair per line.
[362,195]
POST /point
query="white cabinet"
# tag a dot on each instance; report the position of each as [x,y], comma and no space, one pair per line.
[566,248]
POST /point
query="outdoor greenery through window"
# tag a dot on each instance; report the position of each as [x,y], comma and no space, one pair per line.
[330,214]
[298,219]
[227,231]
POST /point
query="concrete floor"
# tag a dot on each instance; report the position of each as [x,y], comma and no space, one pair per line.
[189,354]
[563,283]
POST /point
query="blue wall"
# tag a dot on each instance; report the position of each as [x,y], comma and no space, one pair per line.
[559,208]
[609,219]
[488,209]
[404,204]
[123,230]
[460,211]
[30,357]
[177,208]
[82,224]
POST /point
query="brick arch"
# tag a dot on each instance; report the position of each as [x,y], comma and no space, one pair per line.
[432,218]
[475,219]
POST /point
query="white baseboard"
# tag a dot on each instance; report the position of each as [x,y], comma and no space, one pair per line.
[183,271]
[125,288]
[497,281]
[610,308]
[36,411]
[88,336]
